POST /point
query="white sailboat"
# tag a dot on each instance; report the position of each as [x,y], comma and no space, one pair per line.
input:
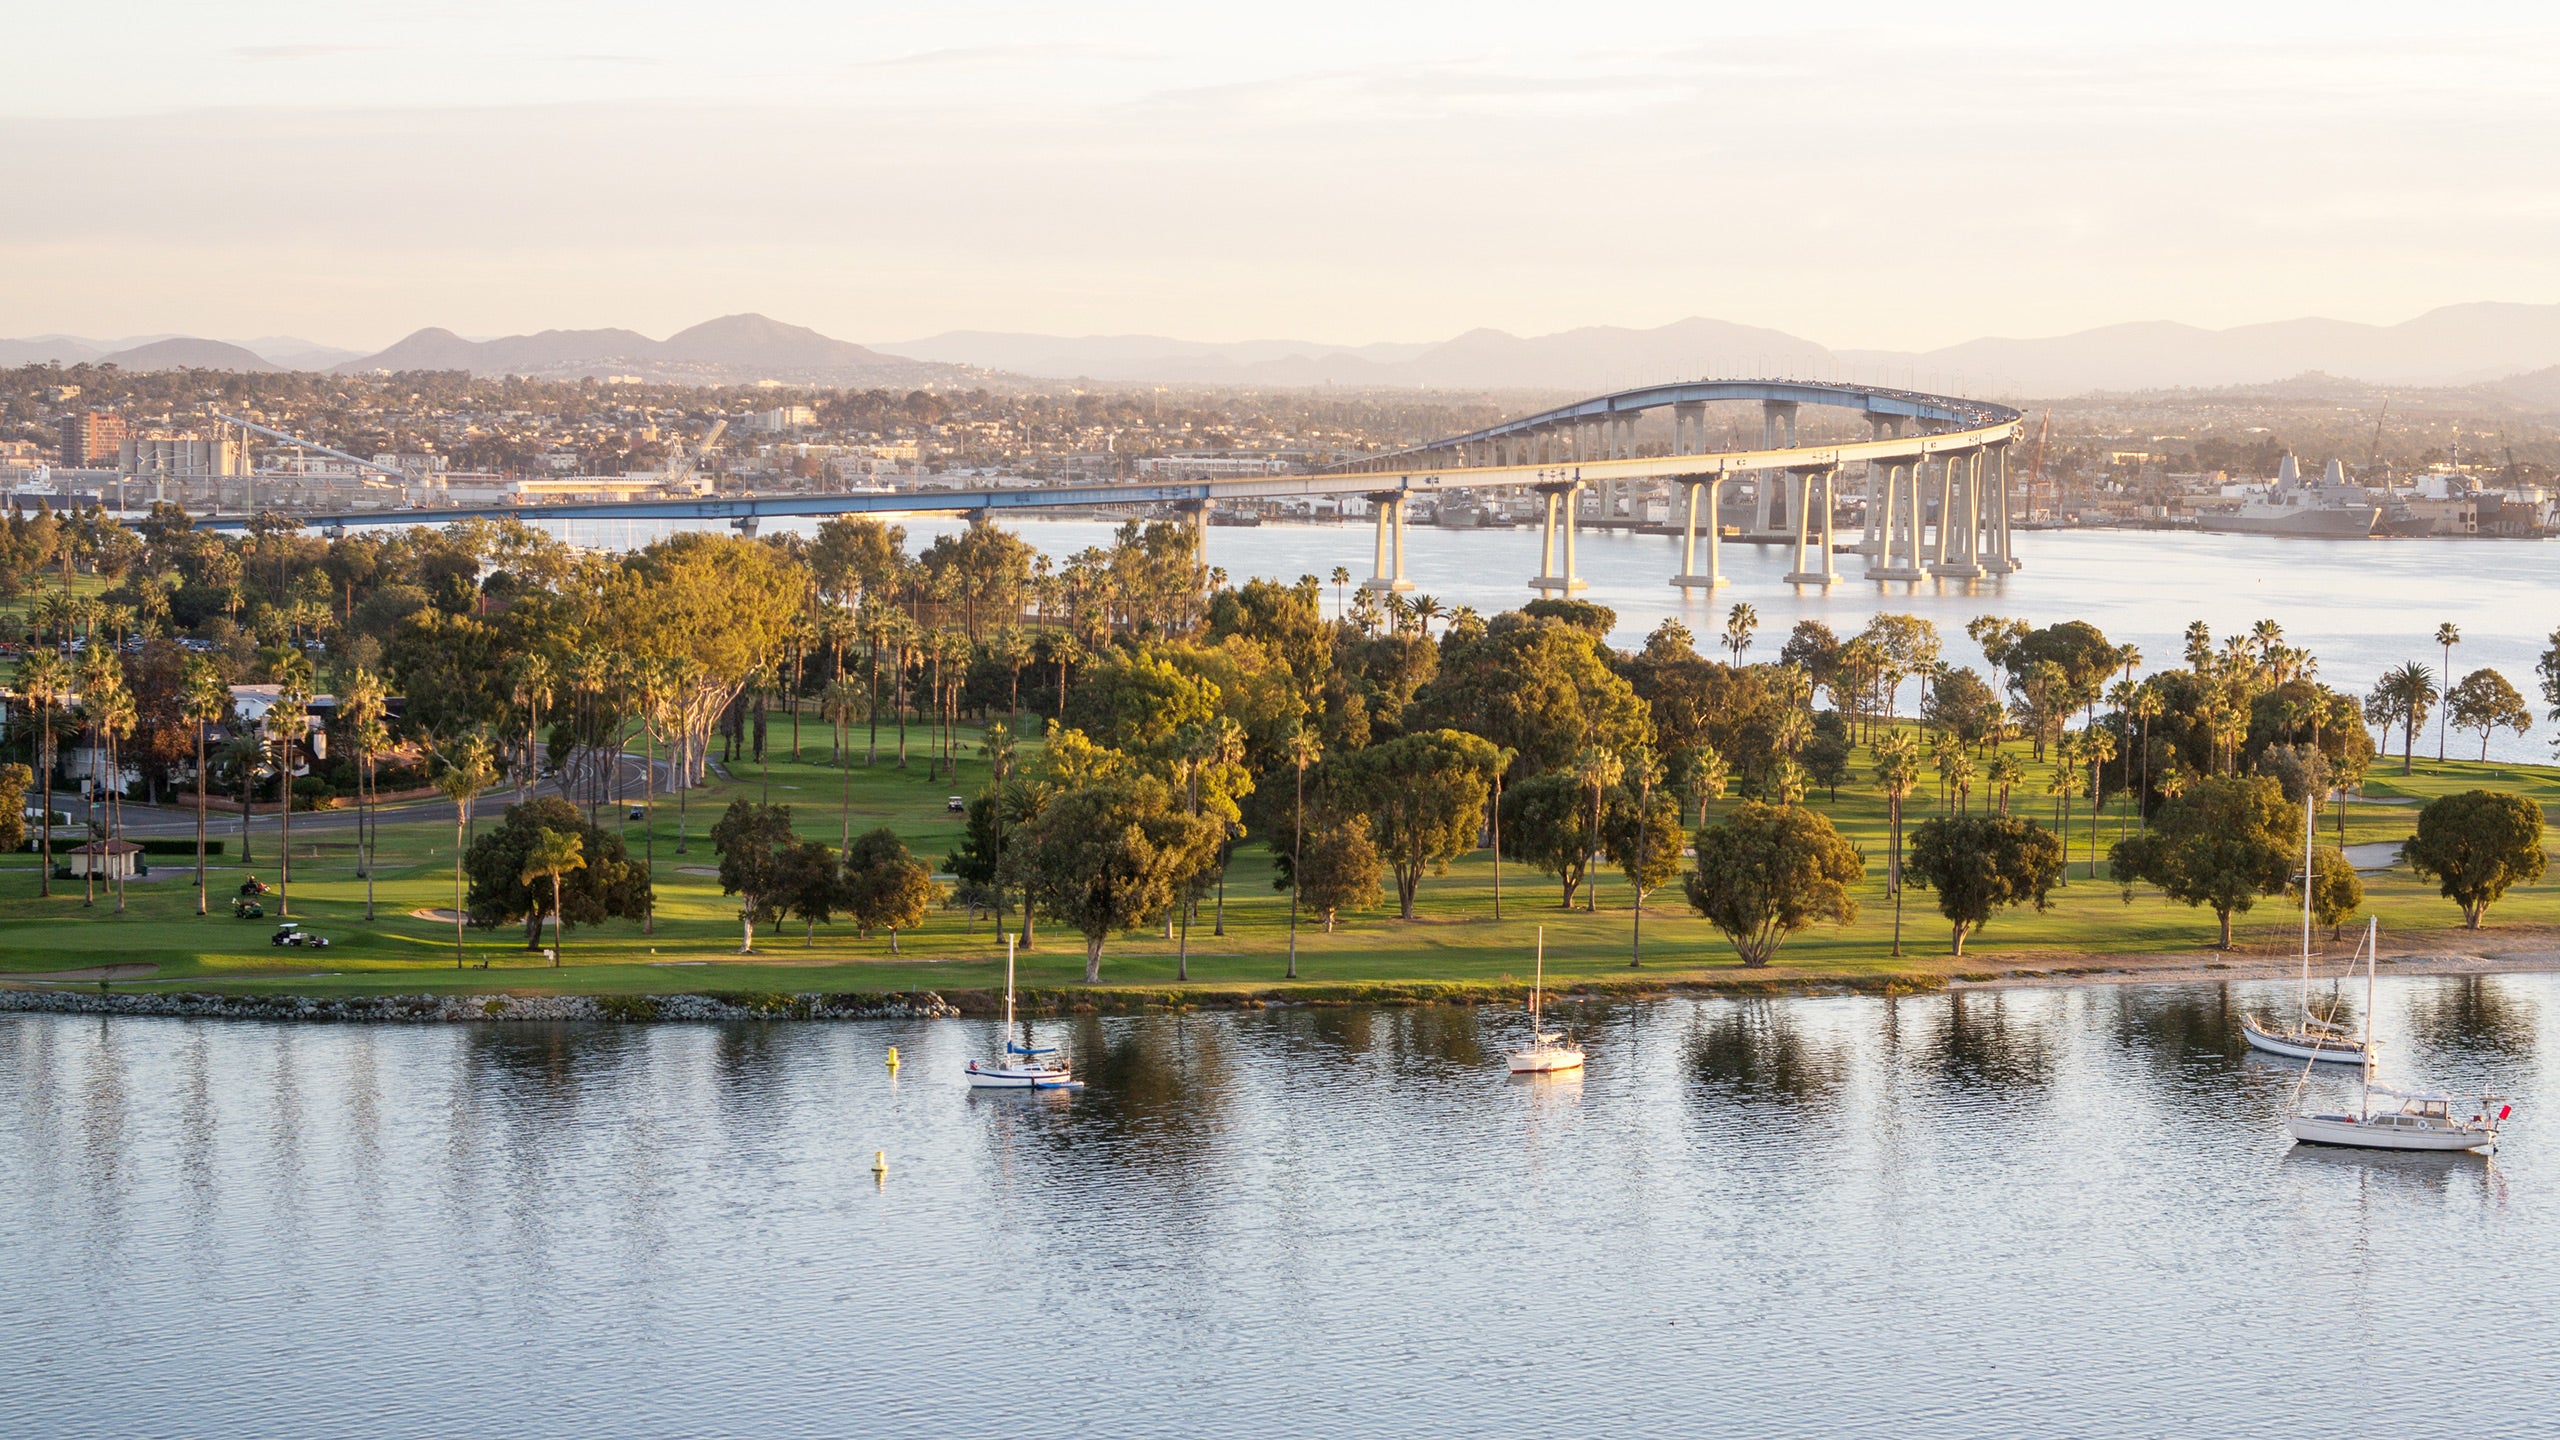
[2311,1038]
[2408,1119]
[1022,1066]
[1549,1051]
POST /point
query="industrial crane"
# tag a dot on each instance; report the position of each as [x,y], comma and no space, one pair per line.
[406,477]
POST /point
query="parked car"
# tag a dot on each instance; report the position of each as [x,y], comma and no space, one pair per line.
[290,933]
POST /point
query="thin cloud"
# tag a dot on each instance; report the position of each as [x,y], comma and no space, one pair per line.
[264,53]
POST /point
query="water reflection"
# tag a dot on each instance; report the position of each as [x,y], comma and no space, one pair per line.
[1757,1049]
[1974,1045]
[2474,1017]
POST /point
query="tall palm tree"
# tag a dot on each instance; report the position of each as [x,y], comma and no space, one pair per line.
[1341,576]
[288,724]
[112,716]
[1740,623]
[1425,609]
[536,680]
[2005,772]
[46,683]
[1304,750]
[366,704]
[555,853]
[468,769]
[2402,697]
[2448,636]
[1898,774]
[245,756]
[204,701]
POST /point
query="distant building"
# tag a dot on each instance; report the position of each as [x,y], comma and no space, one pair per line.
[92,437]
[781,418]
[181,457]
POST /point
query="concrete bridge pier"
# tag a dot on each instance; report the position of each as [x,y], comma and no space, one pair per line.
[1564,497]
[2002,560]
[1899,559]
[744,525]
[1387,574]
[1689,427]
[1690,577]
[1879,476]
[1194,513]
[1816,493]
[1959,510]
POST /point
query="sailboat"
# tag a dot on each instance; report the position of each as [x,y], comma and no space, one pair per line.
[2311,1038]
[1023,1066]
[2421,1119]
[1548,1051]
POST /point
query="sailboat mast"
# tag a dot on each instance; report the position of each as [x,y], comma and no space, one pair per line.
[2372,951]
[1008,987]
[1538,985]
[2310,818]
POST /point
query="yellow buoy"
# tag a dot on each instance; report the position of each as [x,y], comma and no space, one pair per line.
[879,1162]
[893,1057]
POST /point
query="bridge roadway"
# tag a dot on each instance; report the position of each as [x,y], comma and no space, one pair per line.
[1558,453]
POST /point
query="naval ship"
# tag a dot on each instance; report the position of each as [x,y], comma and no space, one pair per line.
[2331,509]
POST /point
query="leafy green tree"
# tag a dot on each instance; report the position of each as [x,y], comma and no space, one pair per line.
[2222,841]
[1109,855]
[2336,890]
[1545,824]
[507,887]
[884,887]
[1544,690]
[1978,864]
[2402,697]
[2483,701]
[754,843]
[1826,755]
[1425,798]
[1641,833]
[2475,846]
[1766,872]
[814,893]
[1337,868]
[14,780]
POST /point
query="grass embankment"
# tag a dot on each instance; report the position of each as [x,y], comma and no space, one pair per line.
[1454,949]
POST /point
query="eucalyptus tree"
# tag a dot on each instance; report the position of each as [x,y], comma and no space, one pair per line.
[2484,701]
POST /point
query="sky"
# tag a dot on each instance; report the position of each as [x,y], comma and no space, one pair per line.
[1864,175]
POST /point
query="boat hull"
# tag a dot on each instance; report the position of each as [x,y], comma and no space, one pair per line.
[1545,1062]
[2333,1052]
[2348,1132]
[2346,523]
[1018,1077]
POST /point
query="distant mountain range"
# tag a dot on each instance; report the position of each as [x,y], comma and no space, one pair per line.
[2455,345]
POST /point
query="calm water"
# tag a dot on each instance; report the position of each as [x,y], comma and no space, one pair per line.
[2062,1212]
[2361,606]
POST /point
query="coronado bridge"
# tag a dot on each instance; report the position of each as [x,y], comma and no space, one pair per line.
[1933,472]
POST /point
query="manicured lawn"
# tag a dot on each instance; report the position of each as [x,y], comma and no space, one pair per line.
[1455,938]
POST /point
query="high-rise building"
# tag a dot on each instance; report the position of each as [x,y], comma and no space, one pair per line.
[92,437]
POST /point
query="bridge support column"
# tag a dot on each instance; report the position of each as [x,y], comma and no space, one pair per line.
[1563,499]
[1387,573]
[2004,560]
[1815,496]
[1777,424]
[1903,518]
[1689,427]
[1879,479]
[744,525]
[1959,508]
[1194,513]
[1690,577]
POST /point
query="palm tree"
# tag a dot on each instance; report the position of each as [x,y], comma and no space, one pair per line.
[245,756]
[204,700]
[112,716]
[468,770]
[1898,773]
[2146,704]
[2005,771]
[2401,697]
[996,744]
[45,682]
[1303,752]
[2063,786]
[838,705]
[2097,747]
[1425,609]
[366,704]
[1341,576]
[555,853]
[289,723]
[2448,636]
[1740,623]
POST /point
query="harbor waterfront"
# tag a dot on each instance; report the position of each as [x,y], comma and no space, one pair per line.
[2065,1211]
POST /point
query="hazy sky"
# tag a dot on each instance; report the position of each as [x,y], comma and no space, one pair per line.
[1889,175]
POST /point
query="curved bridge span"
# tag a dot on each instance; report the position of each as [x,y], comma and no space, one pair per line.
[1933,473]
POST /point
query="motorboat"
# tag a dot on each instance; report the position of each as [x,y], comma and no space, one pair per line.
[2405,1119]
[1023,1065]
[2312,1037]
[1549,1051]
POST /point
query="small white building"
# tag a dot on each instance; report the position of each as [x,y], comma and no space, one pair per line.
[106,859]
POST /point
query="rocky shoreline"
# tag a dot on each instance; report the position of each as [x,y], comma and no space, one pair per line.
[458,1009]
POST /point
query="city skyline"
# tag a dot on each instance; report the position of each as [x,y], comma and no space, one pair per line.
[352,175]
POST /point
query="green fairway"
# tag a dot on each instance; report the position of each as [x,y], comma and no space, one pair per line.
[1455,938]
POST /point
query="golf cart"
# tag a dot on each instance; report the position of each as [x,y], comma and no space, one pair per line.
[291,933]
[244,908]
